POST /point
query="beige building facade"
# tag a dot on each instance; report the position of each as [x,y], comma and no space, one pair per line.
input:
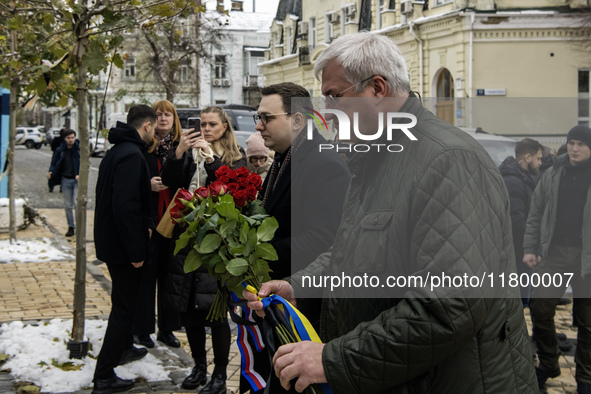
[510,67]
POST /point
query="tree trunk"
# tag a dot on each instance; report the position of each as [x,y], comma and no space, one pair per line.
[10,152]
[81,201]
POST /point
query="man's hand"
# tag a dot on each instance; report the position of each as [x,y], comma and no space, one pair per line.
[150,233]
[302,360]
[157,184]
[48,175]
[137,265]
[77,176]
[279,287]
[531,260]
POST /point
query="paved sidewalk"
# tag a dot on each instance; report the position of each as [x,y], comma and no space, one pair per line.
[33,292]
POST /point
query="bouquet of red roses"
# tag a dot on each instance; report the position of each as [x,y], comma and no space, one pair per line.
[228,232]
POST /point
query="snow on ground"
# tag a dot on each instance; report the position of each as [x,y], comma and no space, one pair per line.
[36,352]
[31,251]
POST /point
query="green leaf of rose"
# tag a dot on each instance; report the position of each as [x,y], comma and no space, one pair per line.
[260,267]
[250,243]
[192,262]
[244,233]
[227,228]
[183,240]
[227,208]
[267,252]
[220,267]
[210,243]
[237,266]
[267,229]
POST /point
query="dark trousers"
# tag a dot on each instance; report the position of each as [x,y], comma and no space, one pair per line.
[155,274]
[562,259]
[220,339]
[118,337]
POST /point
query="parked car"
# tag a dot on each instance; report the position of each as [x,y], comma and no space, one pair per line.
[52,133]
[498,147]
[29,137]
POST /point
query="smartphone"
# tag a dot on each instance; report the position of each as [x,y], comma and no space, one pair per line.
[194,123]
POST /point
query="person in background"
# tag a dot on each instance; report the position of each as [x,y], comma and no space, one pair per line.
[518,174]
[257,155]
[557,244]
[64,170]
[123,226]
[192,294]
[55,143]
[167,137]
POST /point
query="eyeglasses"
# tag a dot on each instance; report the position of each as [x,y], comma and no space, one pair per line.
[265,118]
[331,101]
[254,159]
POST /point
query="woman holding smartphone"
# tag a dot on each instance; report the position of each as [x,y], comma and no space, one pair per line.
[192,294]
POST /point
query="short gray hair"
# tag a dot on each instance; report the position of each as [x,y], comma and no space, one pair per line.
[365,54]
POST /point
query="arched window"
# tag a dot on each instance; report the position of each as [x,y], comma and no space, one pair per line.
[445,96]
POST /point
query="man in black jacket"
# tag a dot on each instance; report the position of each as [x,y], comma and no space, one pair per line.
[122,230]
[518,174]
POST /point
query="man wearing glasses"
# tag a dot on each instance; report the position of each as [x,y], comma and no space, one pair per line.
[437,208]
[304,189]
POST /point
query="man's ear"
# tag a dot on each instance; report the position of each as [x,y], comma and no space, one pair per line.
[298,121]
[528,158]
[380,86]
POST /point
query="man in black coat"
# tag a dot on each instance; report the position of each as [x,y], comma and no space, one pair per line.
[122,231]
[518,174]
[304,189]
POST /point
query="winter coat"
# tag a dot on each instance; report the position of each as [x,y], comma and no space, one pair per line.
[542,216]
[57,161]
[123,193]
[520,185]
[438,206]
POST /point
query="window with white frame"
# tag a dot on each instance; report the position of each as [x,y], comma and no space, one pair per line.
[442,2]
[312,32]
[327,28]
[129,68]
[183,71]
[381,9]
[584,97]
[221,66]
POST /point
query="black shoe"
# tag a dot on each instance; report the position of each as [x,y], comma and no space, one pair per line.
[133,354]
[565,346]
[564,301]
[217,385]
[168,338]
[70,232]
[543,376]
[144,340]
[583,387]
[112,385]
[197,378]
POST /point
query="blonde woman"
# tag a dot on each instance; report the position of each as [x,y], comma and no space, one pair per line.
[192,294]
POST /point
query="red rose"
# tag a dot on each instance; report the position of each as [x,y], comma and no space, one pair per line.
[183,198]
[243,182]
[252,193]
[224,178]
[202,193]
[243,171]
[217,188]
[221,171]
[254,179]
[232,188]
[232,174]
[240,198]
[176,215]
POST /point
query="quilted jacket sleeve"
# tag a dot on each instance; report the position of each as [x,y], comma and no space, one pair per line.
[455,225]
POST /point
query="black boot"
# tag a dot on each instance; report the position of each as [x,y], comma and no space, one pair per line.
[217,385]
[197,378]
[112,385]
[132,354]
[168,338]
[70,232]
[144,340]
[583,387]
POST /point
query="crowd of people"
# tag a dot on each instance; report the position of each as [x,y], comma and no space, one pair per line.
[440,206]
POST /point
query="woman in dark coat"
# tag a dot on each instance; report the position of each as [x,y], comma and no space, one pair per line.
[192,294]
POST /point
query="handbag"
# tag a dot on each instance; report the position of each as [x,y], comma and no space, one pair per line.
[166,226]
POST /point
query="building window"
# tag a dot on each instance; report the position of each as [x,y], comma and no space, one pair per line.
[129,68]
[312,32]
[327,28]
[288,46]
[220,66]
[183,71]
[442,2]
[275,39]
[381,9]
[584,97]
